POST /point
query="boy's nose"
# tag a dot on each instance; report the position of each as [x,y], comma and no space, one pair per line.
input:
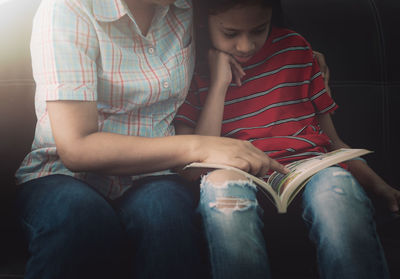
[244,45]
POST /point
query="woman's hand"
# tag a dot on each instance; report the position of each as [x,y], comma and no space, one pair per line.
[223,68]
[237,153]
[324,69]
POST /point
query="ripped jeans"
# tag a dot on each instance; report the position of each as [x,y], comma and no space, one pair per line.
[336,209]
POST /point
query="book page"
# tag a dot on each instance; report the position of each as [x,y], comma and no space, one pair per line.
[279,181]
[303,169]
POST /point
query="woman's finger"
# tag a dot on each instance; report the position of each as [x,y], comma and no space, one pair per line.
[260,163]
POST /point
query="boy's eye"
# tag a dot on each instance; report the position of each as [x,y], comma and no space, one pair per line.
[259,31]
[230,34]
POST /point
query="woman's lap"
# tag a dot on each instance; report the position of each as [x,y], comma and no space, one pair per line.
[159,216]
[73,232]
[69,228]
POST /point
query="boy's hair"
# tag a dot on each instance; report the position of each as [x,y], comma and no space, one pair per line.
[213,7]
[203,8]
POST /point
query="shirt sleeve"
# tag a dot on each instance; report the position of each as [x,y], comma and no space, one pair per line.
[189,111]
[318,94]
[64,48]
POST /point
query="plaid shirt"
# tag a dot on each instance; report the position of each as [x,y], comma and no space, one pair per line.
[92,50]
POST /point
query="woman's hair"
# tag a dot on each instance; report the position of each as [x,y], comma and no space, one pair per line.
[203,8]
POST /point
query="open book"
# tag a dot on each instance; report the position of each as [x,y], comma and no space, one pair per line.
[282,188]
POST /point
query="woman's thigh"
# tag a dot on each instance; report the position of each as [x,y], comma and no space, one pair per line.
[159,216]
[71,230]
[157,201]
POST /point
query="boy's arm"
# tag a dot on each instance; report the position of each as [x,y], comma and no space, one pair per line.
[222,69]
[370,180]
[209,121]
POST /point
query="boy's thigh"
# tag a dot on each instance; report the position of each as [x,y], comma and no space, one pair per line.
[332,191]
[227,190]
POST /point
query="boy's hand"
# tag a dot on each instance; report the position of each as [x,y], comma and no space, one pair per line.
[388,196]
[378,190]
[223,68]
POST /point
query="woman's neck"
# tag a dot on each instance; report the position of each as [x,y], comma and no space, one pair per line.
[143,13]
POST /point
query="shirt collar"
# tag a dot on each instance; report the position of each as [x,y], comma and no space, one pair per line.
[112,10]
[108,10]
[183,4]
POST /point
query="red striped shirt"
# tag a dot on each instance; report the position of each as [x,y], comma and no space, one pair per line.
[277,105]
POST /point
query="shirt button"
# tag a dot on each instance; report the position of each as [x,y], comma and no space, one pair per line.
[151,50]
[165,84]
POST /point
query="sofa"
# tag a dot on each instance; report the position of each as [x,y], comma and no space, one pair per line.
[359,43]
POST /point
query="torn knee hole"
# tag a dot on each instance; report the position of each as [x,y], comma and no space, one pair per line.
[219,177]
[340,173]
[231,203]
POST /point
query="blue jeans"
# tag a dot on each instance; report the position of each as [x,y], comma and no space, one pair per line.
[73,232]
[336,209]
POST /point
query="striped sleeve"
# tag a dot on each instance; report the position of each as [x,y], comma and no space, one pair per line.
[189,111]
[64,49]
[318,94]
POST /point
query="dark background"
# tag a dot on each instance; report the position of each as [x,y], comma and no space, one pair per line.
[359,40]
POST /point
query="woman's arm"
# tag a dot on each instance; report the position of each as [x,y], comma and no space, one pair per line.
[370,180]
[82,147]
[324,69]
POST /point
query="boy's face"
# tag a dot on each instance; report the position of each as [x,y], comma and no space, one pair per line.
[240,31]
[160,2]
